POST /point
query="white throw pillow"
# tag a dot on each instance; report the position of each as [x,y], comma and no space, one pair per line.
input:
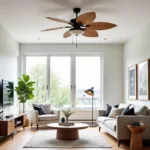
[47,108]
[115,112]
[122,105]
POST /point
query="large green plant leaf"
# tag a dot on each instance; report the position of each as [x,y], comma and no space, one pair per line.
[30,83]
[25,77]
[22,101]
[31,96]
[21,84]
[19,79]
[31,89]
[20,92]
[21,97]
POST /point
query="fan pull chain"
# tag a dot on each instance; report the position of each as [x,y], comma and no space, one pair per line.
[76,41]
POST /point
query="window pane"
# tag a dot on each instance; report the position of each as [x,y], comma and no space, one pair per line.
[36,67]
[87,76]
[60,81]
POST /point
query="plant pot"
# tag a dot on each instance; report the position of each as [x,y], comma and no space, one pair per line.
[67,120]
[22,107]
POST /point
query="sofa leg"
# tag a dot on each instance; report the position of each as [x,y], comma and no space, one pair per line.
[119,141]
[31,125]
[99,129]
[37,127]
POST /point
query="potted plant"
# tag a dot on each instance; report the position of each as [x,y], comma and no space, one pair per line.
[24,89]
[68,112]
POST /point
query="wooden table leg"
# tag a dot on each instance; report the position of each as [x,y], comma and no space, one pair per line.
[136,141]
[63,134]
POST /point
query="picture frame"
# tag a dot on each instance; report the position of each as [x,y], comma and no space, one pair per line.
[144,80]
[132,85]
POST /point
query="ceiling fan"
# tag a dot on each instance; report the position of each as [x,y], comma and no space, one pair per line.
[82,25]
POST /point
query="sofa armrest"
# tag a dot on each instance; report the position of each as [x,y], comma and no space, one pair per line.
[57,112]
[33,116]
[122,122]
[101,112]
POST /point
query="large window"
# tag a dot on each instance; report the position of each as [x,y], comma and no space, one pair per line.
[36,67]
[61,80]
[87,76]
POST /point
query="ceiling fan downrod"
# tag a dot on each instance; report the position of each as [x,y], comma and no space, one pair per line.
[76,11]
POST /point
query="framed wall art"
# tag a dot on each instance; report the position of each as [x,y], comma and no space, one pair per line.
[132,89]
[144,80]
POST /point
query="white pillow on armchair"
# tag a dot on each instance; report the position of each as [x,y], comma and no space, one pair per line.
[47,108]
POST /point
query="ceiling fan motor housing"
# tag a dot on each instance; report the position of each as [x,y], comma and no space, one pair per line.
[77,28]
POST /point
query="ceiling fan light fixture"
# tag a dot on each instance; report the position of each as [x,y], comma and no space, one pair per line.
[75,31]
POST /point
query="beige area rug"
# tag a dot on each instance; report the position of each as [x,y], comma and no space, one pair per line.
[47,139]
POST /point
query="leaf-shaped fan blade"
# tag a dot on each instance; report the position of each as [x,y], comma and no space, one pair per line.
[101,25]
[50,29]
[58,20]
[90,33]
[66,34]
[86,18]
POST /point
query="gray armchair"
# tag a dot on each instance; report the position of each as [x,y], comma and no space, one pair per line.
[51,116]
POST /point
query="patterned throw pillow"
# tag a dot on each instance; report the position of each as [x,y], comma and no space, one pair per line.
[115,112]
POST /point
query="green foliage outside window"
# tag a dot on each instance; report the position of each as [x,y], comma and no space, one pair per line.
[59,95]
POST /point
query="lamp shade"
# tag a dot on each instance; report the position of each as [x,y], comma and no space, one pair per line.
[76,31]
[90,91]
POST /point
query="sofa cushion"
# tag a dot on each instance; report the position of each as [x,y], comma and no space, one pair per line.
[140,110]
[103,119]
[47,108]
[115,112]
[47,117]
[111,124]
[39,108]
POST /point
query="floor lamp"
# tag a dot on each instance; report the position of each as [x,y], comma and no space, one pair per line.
[91,93]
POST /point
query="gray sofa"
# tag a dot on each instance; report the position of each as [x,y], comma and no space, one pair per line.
[117,127]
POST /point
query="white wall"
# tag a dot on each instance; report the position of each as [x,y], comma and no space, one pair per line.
[113,63]
[136,49]
[9,49]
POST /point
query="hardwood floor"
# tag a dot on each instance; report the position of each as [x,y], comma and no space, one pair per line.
[22,136]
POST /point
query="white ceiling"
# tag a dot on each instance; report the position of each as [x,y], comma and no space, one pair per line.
[24,19]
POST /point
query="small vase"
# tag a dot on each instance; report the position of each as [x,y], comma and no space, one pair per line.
[63,119]
[67,120]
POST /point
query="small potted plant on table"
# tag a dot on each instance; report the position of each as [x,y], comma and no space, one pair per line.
[67,112]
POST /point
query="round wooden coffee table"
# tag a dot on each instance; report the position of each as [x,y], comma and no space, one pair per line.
[68,132]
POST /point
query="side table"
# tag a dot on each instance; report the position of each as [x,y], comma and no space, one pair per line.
[136,136]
